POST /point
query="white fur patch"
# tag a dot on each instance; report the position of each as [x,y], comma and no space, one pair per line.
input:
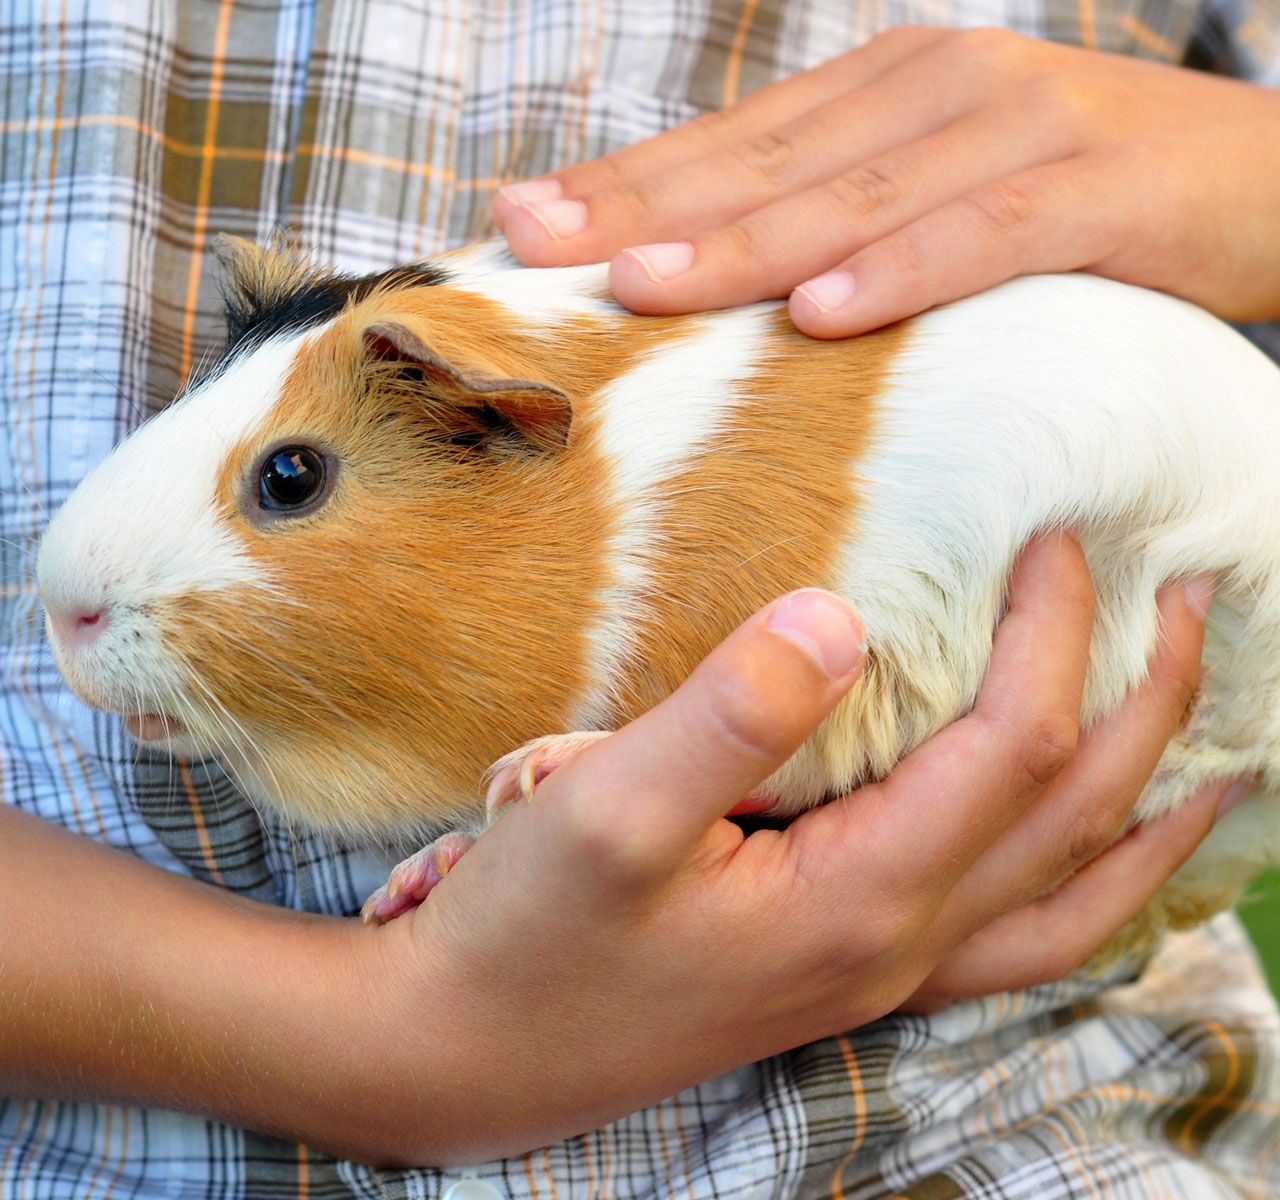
[1134,417]
[541,295]
[167,540]
[651,422]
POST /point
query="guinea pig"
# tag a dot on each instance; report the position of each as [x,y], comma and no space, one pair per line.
[411,521]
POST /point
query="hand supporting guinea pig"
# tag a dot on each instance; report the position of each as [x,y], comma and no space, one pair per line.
[676,948]
[924,166]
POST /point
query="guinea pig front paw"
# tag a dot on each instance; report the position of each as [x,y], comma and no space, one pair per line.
[411,881]
[518,773]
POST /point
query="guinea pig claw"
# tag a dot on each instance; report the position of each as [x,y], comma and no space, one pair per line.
[518,774]
[412,880]
[530,776]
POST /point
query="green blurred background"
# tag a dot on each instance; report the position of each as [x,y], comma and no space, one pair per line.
[1260,912]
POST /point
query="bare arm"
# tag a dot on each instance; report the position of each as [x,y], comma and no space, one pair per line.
[120,981]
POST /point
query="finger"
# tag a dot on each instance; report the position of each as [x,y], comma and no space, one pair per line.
[775,246]
[1090,802]
[1049,938]
[777,104]
[632,807]
[947,802]
[777,161]
[1056,217]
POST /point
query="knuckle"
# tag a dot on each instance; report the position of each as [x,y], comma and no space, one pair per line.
[865,191]
[768,159]
[739,242]
[838,959]
[1058,959]
[1003,208]
[740,717]
[618,851]
[1077,599]
[1063,99]
[1090,834]
[908,37]
[889,937]
[1180,684]
[905,254]
[610,171]
[911,34]
[626,206]
[990,46]
[1181,678]
[1047,747]
[710,128]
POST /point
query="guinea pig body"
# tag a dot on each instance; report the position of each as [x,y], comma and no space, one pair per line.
[411,522]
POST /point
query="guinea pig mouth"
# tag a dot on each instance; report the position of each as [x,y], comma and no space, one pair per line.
[153,727]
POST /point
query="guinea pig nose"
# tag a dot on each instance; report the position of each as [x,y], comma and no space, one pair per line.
[79,624]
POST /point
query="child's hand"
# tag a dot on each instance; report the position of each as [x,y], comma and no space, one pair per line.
[615,940]
[925,166]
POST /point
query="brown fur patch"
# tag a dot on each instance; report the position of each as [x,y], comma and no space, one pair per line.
[764,508]
[462,585]
[434,611]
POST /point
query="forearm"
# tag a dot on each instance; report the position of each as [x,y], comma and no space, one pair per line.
[123,982]
[119,981]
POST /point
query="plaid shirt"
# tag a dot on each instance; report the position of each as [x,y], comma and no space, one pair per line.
[379,130]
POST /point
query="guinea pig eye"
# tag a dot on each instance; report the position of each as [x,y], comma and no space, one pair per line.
[291,478]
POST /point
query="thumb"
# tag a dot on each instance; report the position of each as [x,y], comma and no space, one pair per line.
[644,798]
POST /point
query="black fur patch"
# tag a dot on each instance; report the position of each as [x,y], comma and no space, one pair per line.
[253,319]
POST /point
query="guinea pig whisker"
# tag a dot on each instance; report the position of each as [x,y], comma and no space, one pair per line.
[226,720]
[318,693]
[221,716]
[766,549]
[27,492]
[135,410]
[188,711]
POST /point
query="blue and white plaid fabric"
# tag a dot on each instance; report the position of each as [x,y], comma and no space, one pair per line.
[379,129]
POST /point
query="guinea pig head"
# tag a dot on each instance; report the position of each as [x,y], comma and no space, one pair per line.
[356,560]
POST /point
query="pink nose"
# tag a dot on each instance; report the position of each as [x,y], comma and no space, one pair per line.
[77,625]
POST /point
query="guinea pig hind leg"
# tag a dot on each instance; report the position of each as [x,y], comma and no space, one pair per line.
[517,774]
[411,881]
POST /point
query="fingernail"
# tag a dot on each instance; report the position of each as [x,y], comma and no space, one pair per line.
[560,218]
[663,260]
[1237,792]
[823,626]
[828,292]
[532,191]
[1199,592]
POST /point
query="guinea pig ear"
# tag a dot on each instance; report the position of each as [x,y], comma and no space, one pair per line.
[537,412]
[256,279]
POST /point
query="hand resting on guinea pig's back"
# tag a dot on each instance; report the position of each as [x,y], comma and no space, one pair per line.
[459,507]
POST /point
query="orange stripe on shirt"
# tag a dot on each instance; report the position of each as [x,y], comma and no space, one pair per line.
[859,1114]
[1148,38]
[1202,1107]
[197,814]
[1088,25]
[733,68]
